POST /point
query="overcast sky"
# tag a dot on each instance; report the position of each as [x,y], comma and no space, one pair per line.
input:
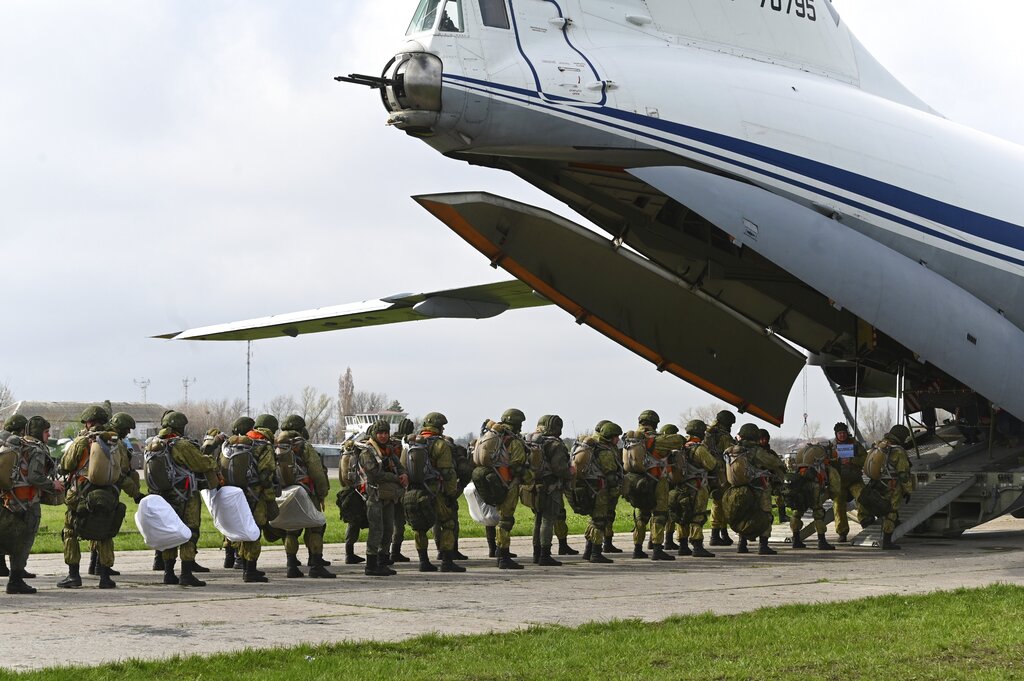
[173,164]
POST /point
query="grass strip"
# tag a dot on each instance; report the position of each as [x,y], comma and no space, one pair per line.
[963,634]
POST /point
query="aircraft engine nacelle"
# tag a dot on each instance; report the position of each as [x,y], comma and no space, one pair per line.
[413,93]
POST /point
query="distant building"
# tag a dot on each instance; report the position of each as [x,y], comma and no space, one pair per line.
[62,414]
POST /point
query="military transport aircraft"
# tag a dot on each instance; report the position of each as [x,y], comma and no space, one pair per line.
[763,183]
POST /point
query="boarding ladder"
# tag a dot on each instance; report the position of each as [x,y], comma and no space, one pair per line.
[925,501]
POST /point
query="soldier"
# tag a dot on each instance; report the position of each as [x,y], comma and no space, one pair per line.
[246,460]
[122,424]
[690,469]
[652,508]
[894,472]
[404,428]
[441,484]
[670,528]
[718,440]
[464,472]
[749,469]
[351,500]
[380,462]
[31,480]
[778,481]
[312,476]
[514,470]
[603,477]
[848,456]
[14,425]
[550,481]
[186,464]
[810,486]
[613,500]
[213,445]
[76,463]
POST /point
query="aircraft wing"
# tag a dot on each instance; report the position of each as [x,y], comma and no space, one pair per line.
[628,299]
[473,302]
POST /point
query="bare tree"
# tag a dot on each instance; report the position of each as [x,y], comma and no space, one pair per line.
[315,409]
[703,412]
[280,406]
[364,402]
[206,414]
[6,395]
[875,420]
[346,392]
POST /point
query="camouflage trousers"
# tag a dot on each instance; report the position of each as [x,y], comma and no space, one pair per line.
[561,528]
[250,550]
[190,513]
[507,517]
[72,547]
[444,528]
[892,518]
[818,495]
[718,521]
[658,516]
[381,518]
[691,510]
[601,520]
[549,501]
[19,554]
[844,494]
[613,504]
[398,535]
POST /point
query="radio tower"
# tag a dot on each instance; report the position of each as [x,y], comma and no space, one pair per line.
[143,383]
[185,382]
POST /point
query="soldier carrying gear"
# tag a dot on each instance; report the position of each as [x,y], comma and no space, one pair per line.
[645,443]
[848,457]
[747,501]
[311,474]
[606,485]
[778,481]
[691,466]
[888,466]
[670,528]
[14,425]
[404,429]
[813,481]
[122,424]
[380,462]
[551,477]
[718,440]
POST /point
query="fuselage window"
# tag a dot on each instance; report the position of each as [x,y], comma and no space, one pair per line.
[423,19]
[451,17]
[493,13]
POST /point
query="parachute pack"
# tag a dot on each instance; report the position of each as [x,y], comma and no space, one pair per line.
[416,460]
[877,461]
[350,475]
[584,461]
[291,466]
[99,515]
[490,446]
[420,509]
[237,462]
[163,475]
[10,468]
[489,485]
[739,469]
[101,467]
[874,498]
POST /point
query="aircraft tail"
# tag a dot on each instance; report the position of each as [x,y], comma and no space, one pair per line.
[803,34]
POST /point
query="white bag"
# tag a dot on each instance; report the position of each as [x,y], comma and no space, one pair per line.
[485,514]
[231,513]
[160,526]
[297,510]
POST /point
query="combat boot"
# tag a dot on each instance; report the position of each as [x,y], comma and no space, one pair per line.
[239,562]
[843,538]
[659,553]
[867,521]
[251,574]
[597,557]
[25,574]
[319,570]
[741,547]
[372,569]
[397,556]
[588,549]
[724,537]
[315,559]
[798,543]
[94,557]
[73,580]
[492,545]
[699,551]
[425,564]
[187,578]
[670,544]
[350,555]
[887,543]
[456,554]
[763,549]
[783,518]
[229,557]
[824,545]
[293,566]
[564,549]
[382,563]
[196,567]
[105,581]
[169,576]
[247,568]
[546,559]
[536,553]
[448,563]
[505,561]
[638,551]
[4,570]
[684,549]
[716,539]
[609,547]
[16,584]
[158,561]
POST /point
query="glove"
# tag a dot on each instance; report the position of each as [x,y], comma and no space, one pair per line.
[906,498]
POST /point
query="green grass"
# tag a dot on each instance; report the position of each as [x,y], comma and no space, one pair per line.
[49,541]
[964,634]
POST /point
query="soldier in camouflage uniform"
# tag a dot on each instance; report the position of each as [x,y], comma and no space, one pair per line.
[613,500]
[122,424]
[657,515]
[896,474]
[32,480]
[317,485]
[848,457]
[514,472]
[550,482]
[75,462]
[212,445]
[14,425]
[442,489]
[690,469]
[186,455]
[778,482]
[606,465]
[380,461]
[404,429]
[717,441]
[817,480]
[765,466]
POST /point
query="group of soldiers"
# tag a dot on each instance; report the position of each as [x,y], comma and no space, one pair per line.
[417,477]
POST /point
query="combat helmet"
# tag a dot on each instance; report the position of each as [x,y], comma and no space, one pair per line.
[696,427]
[669,429]
[122,423]
[515,418]
[552,424]
[293,422]
[435,419]
[649,417]
[242,425]
[763,434]
[597,428]
[609,430]
[268,421]
[94,413]
[379,426]
[174,420]
[898,434]
[725,418]
[37,425]
[15,424]
[749,431]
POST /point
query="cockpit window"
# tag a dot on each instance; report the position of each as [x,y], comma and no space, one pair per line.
[423,19]
[493,13]
[451,17]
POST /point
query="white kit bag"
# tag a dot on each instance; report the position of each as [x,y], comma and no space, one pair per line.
[485,514]
[160,526]
[297,510]
[231,513]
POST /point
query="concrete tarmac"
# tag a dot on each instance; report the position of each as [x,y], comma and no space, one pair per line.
[142,618]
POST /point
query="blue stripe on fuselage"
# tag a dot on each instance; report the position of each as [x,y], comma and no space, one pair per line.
[961,219]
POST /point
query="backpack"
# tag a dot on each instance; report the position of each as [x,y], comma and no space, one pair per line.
[811,455]
[352,507]
[584,461]
[100,517]
[416,460]
[103,469]
[874,498]
[739,470]
[743,512]
[490,447]
[489,485]
[350,475]
[237,462]
[291,466]
[877,462]
[634,455]
[420,509]
[639,490]
[683,470]
[10,465]
[163,475]
[463,465]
